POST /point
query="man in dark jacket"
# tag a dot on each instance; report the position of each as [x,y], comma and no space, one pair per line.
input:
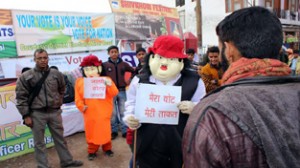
[140,54]
[44,110]
[115,68]
[251,120]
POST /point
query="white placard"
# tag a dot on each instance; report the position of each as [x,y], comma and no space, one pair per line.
[157,104]
[94,88]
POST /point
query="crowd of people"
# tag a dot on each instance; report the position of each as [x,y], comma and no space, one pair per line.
[237,106]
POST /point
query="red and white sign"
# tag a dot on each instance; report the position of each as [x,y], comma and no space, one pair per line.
[94,88]
[157,104]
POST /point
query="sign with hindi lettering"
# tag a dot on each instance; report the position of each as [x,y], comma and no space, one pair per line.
[94,88]
[157,104]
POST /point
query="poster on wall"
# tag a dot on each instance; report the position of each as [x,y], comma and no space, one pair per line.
[66,63]
[141,21]
[160,106]
[15,138]
[59,32]
[7,35]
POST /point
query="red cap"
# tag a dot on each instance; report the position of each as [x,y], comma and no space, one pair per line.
[90,60]
[168,46]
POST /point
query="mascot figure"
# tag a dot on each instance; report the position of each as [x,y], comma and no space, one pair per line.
[159,145]
[96,112]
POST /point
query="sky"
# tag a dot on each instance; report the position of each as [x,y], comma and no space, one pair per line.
[88,6]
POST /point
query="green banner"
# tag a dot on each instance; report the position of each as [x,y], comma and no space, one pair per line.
[8,49]
[12,146]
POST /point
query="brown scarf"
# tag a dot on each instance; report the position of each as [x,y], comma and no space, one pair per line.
[245,67]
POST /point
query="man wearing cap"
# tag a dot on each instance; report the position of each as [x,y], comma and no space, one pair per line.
[159,145]
[96,112]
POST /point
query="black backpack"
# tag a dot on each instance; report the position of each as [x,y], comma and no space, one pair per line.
[69,92]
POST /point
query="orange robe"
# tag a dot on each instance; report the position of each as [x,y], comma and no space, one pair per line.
[98,113]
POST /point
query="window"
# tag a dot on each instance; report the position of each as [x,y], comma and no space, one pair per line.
[228,6]
[268,3]
[237,5]
[293,5]
[180,2]
[182,18]
[233,5]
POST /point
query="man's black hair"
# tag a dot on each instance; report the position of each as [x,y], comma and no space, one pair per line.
[139,50]
[224,61]
[25,69]
[213,49]
[190,51]
[54,67]
[254,31]
[112,47]
[40,50]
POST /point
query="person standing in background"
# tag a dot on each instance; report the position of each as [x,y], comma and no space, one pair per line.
[191,57]
[140,54]
[212,72]
[115,68]
[294,63]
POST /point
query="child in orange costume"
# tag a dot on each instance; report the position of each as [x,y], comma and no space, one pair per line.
[96,112]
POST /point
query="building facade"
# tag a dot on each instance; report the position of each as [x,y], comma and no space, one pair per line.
[288,11]
[213,11]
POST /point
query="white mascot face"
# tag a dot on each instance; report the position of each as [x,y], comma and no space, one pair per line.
[92,71]
[165,69]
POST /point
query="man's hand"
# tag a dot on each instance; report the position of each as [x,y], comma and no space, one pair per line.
[108,82]
[186,107]
[132,122]
[28,122]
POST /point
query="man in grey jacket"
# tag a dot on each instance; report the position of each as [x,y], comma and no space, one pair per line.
[44,110]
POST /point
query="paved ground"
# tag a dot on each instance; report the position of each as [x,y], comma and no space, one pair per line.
[77,145]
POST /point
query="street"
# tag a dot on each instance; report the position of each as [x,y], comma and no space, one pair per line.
[78,147]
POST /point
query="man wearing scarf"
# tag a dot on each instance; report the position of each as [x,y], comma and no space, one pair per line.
[212,72]
[253,119]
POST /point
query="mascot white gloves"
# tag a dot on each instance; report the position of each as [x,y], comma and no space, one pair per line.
[108,82]
[132,122]
[186,107]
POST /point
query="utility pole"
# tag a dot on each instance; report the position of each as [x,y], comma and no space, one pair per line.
[199,22]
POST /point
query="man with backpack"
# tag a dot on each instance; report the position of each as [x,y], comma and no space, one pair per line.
[69,94]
